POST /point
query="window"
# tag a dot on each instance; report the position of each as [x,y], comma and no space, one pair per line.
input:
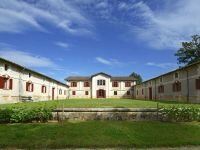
[176,75]
[29,87]
[128,93]
[44,89]
[73,92]
[73,84]
[29,74]
[101,82]
[160,79]
[176,86]
[142,91]
[127,84]
[86,84]
[6,67]
[6,83]
[115,92]
[115,84]
[65,92]
[60,91]
[137,92]
[161,89]
[198,84]
[86,92]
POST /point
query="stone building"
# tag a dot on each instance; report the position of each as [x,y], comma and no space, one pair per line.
[101,85]
[182,85]
[18,82]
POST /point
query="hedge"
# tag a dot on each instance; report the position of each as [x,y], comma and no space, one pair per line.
[25,115]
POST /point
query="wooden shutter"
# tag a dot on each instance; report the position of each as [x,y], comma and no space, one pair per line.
[32,87]
[11,84]
[27,86]
[197,84]
[1,82]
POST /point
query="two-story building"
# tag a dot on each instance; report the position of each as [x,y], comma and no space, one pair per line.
[18,82]
[101,85]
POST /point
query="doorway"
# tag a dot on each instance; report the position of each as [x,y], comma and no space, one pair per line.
[150,93]
[101,93]
[53,93]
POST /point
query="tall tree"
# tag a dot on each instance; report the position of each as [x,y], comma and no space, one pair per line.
[137,76]
[190,51]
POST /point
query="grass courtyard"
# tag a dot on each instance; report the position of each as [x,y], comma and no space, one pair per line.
[99,103]
[99,134]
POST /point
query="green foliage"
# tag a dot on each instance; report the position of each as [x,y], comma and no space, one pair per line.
[180,114]
[190,51]
[24,115]
[137,76]
[5,115]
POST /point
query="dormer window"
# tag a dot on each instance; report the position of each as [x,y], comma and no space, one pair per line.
[6,67]
[176,75]
[160,79]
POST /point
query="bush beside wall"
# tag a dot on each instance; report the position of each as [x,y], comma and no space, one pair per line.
[25,115]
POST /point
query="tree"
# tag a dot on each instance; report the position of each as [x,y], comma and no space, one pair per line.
[190,51]
[137,76]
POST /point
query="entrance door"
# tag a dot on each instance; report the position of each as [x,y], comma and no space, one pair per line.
[53,90]
[150,93]
[101,93]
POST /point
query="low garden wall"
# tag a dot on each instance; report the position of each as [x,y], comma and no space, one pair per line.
[133,114]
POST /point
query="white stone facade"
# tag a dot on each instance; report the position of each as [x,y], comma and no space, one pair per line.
[122,89]
[18,82]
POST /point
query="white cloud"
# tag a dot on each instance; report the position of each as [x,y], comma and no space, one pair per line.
[62,44]
[162,65]
[167,27]
[103,61]
[17,16]
[27,59]
[109,62]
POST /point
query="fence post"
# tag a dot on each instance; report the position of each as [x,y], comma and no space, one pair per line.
[157,111]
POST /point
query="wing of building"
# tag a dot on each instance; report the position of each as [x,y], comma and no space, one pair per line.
[181,85]
[101,85]
[19,83]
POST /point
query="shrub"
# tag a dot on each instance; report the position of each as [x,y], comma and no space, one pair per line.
[25,115]
[180,114]
[5,115]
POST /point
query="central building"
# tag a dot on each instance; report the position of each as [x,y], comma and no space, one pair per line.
[101,85]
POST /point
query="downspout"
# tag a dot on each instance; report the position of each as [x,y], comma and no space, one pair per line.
[20,83]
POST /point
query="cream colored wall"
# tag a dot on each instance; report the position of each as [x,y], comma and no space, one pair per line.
[20,77]
[96,87]
[121,89]
[168,80]
[80,90]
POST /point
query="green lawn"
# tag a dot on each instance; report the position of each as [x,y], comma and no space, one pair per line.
[92,134]
[117,103]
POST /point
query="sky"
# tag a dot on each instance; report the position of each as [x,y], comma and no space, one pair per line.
[62,38]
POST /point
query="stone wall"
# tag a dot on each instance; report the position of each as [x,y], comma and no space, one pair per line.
[132,114]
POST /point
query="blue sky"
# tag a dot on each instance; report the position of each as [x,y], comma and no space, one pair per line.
[61,38]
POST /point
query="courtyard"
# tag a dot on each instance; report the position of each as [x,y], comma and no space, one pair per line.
[99,103]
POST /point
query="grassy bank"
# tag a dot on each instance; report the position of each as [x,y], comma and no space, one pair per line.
[89,103]
[99,134]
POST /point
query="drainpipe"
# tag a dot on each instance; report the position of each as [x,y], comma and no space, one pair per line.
[20,82]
